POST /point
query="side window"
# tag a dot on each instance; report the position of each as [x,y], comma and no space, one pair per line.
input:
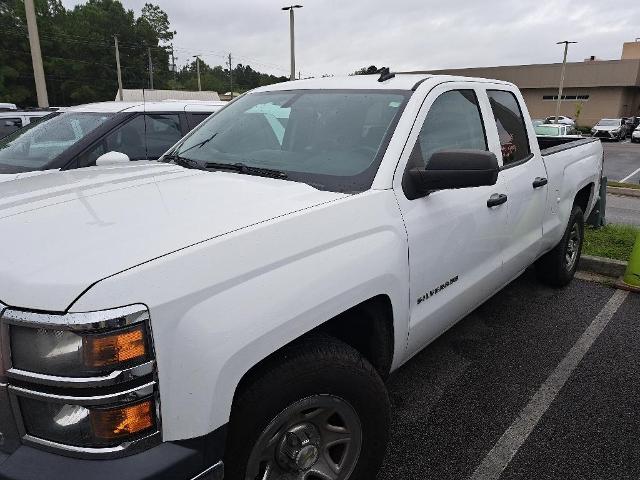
[454,121]
[128,138]
[196,119]
[9,125]
[512,132]
[89,157]
[163,130]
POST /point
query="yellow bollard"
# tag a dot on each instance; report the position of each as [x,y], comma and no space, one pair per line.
[631,279]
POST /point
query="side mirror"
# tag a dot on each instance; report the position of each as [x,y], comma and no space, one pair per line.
[112,158]
[449,169]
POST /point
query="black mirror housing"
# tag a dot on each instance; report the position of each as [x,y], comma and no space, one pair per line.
[449,169]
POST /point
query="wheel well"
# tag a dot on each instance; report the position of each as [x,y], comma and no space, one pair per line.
[367,327]
[583,197]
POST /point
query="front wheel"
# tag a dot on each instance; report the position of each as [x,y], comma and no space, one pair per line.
[319,411]
[557,267]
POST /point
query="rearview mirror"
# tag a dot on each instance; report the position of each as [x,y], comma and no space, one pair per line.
[112,158]
[449,169]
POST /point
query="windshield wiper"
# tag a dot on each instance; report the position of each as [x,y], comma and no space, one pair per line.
[185,162]
[246,169]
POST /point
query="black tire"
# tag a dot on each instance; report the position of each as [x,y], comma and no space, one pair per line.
[553,268]
[319,366]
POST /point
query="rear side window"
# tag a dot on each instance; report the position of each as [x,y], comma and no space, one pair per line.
[454,121]
[512,132]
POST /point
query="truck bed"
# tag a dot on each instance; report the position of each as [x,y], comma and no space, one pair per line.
[551,145]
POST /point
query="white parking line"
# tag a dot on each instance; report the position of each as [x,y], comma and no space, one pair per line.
[628,177]
[512,439]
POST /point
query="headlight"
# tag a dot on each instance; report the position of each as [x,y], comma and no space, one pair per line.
[83,384]
[77,354]
[80,426]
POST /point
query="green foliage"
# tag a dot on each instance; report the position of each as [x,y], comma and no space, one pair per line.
[612,241]
[217,78]
[79,56]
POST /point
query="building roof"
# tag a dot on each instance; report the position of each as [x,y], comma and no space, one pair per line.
[609,73]
[138,95]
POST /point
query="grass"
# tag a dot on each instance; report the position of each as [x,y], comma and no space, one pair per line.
[624,185]
[612,241]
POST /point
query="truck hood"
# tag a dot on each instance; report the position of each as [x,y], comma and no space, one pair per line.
[64,231]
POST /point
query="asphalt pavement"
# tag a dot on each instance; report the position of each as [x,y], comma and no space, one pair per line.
[622,161]
[623,209]
[470,406]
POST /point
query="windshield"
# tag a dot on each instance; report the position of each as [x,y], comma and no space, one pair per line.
[609,122]
[36,145]
[547,130]
[330,139]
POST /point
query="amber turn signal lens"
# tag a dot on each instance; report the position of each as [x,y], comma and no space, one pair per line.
[102,351]
[122,422]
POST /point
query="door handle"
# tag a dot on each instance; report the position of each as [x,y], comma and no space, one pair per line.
[540,182]
[496,199]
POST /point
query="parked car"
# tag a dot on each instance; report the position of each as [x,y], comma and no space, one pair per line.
[80,136]
[556,130]
[632,123]
[8,106]
[242,300]
[610,129]
[635,136]
[12,120]
[561,119]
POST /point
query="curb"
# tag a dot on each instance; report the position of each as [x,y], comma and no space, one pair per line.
[603,266]
[627,192]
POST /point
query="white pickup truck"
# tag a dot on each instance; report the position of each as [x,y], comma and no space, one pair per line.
[241,302]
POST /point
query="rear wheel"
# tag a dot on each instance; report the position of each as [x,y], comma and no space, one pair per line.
[557,267]
[318,412]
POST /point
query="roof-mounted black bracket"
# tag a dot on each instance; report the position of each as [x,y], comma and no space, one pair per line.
[385,74]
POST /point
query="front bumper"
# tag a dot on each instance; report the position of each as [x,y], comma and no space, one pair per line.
[605,134]
[168,461]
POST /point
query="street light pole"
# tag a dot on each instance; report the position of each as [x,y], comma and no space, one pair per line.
[36,54]
[292,38]
[198,71]
[564,66]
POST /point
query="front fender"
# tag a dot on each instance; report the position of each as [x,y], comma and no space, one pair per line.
[220,307]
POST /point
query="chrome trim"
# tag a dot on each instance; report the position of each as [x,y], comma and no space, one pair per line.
[97,320]
[126,448]
[216,471]
[114,378]
[131,395]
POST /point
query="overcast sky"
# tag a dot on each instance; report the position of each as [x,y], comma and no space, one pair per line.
[338,37]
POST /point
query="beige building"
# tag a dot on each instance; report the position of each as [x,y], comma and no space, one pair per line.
[593,89]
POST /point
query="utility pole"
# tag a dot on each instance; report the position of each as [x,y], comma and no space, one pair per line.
[198,72]
[36,54]
[230,78]
[292,38]
[120,96]
[173,63]
[150,68]
[564,66]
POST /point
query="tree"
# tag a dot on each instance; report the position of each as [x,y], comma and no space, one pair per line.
[78,53]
